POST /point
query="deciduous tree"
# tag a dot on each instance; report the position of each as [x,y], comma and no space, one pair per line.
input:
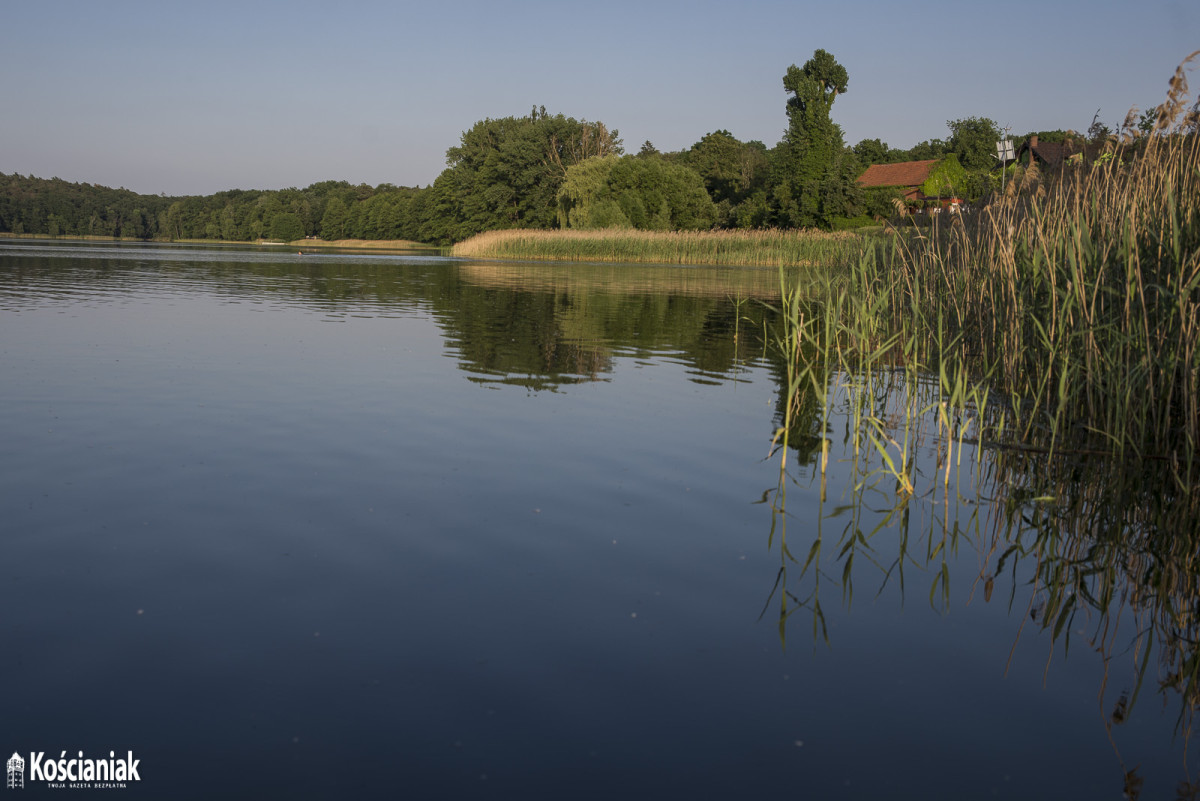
[506,173]
[333,222]
[634,192]
[812,140]
[286,226]
[973,142]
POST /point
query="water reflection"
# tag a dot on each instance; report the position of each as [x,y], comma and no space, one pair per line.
[1079,551]
[540,326]
[1068,554]
[535,326]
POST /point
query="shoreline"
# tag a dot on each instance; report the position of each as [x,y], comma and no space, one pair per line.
[303,244]
[351,244]
[760,248]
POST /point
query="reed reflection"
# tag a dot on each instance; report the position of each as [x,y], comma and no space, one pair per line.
[1081,550]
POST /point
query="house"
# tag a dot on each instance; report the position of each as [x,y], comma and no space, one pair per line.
[1044,154]
[906,177]
[1054,155]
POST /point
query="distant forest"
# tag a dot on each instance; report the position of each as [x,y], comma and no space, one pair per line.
[550,171]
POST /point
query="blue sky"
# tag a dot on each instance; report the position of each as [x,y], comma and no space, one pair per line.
[198,97]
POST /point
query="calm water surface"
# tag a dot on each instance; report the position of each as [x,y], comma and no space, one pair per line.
[401,526]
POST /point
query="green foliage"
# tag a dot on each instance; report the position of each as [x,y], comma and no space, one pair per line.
[973,141]
[929,149]
[753,212]
[334,209]
[1057,136]
[812,139]
[731,169]
[871,151]
[333,222]
[946,179]
[820,81]
[850,223]
[813,183]
[518,172]
[841,195]
[134,225]
[634,192]
[286,226]
[506,173]
[878,201]
[659,195]
[1098,131]
[53,207]
[580,197]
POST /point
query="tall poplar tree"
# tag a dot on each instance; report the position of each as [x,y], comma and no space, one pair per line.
[813,141]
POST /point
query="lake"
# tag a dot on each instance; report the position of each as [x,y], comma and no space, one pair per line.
[338,525]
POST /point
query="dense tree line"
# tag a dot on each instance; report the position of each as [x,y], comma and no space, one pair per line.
[54,207]
[332,209]
[545,171]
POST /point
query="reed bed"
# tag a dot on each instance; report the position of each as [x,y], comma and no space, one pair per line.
[1054,338]
[361,244]
[1047,352]
[768,249]
[1069,307]
[1080,304]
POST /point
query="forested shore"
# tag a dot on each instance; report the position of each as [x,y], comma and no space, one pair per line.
[550,171]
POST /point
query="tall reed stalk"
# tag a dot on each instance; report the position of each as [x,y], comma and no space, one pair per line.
[1060,324]
[1075,300]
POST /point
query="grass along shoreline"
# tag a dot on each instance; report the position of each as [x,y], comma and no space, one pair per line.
[770,248]
[355,244]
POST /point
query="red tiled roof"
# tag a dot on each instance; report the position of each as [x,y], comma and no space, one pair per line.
[905,173]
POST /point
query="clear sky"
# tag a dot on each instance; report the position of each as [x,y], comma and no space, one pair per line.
[193,98]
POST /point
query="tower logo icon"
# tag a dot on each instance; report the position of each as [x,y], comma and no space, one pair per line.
[16,771]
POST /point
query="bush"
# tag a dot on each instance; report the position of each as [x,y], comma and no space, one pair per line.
[850,223]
